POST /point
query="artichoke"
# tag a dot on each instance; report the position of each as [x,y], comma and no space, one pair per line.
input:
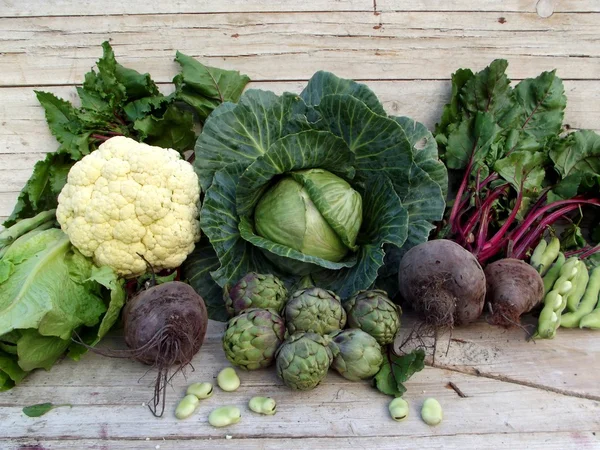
[356,354]
[303,360]
[252,338]
[314,310]
[255,290]
[373,312]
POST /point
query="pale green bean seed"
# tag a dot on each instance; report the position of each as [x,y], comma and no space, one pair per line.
[263,405]
[398,409]
[553,273]
[186,407]
[569,268]
[431,412]
[558,301]
[200,390]
[228,379]
[565,287]
[225,415]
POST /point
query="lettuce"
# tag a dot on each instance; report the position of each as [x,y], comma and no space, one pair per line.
[49,291]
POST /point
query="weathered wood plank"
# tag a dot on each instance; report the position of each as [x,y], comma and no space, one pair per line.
[268,46]
[558,364]
[16,8]
[499,441]
[108,402]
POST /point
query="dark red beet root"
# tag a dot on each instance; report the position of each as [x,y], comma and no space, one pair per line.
[443,282]
[165,326]
[513,289]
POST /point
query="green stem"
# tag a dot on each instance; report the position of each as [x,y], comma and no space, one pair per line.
[11,234]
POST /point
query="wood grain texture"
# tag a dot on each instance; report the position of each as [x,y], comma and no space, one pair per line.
[108,402]
[12,8]
[505,354]
[270,46]
[498,441]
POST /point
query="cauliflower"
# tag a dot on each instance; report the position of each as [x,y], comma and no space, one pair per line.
[128,199]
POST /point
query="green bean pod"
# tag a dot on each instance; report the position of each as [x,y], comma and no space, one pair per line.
[536,256]
[555,301]
[553,273]
[549,256]
[580,283]
[591,320]
[589,300]
[548,320]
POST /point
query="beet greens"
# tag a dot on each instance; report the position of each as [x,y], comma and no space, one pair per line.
[516,170]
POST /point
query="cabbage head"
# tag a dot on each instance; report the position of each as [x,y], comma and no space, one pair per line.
[323,184]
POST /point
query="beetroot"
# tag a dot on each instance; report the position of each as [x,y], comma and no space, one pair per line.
[513,288]
[165,326]
[443,282]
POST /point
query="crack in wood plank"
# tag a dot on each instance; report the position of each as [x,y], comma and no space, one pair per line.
[507,379]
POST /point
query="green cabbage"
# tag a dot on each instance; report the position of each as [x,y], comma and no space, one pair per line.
[266,166]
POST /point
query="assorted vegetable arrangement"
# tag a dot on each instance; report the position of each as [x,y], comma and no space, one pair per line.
[303,221]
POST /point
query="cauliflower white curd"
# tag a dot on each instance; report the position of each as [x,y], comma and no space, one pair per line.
[128,199]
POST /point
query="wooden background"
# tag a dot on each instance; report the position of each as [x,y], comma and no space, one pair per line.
[519,394]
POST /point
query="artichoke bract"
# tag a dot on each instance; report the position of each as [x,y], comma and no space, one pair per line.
[303,360]
[374,312]
[314,310]
[356,354]
[312,211]
[255,290]
[252,338]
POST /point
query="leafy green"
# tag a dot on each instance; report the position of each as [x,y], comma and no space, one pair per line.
[506,147]
[577,160]
[116,100]
[471,141]
[336,125]
[396,370]
[40,409]
[204,88]
[48,292]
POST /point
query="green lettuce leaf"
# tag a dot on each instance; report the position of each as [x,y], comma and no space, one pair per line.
[39,352]
[41,292]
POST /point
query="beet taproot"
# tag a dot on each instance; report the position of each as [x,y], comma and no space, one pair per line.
[165,327]
[443,282]
[513,289]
